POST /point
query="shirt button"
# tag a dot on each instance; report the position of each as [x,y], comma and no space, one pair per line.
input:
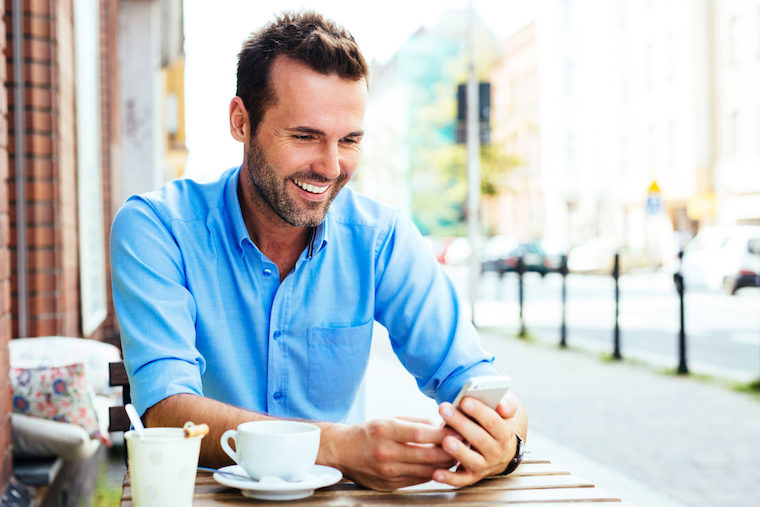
[277,395]
[276,334]
[267,272]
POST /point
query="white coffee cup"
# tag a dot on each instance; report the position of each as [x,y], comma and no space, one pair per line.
[283,449]
[162,467]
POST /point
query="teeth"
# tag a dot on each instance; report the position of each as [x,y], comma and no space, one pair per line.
[311,188]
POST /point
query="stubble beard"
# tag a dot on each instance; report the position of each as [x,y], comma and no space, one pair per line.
[268,187]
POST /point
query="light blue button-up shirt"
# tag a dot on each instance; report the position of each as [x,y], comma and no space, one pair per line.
[203,311]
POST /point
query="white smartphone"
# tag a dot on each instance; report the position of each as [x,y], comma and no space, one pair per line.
[490,390]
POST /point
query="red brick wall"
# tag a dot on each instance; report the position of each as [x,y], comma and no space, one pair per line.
[48,175]
[5,279]
[50,165]
[109,124]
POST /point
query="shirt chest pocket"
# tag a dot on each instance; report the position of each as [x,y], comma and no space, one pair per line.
[337,360]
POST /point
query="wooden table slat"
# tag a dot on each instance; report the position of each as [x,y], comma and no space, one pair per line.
[532,483]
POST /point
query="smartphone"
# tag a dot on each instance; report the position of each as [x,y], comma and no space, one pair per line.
[490,390]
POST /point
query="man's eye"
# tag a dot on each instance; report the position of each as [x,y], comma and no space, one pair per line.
[350,140]
[305,137]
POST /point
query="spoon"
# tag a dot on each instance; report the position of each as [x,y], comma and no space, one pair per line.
[224,472]
[135,419]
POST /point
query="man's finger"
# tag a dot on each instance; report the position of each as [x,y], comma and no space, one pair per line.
[507,408]
[430,454]
[395,471]
[459,422]
[469,458]
[460,478]
[405,431]
[415,420]
[487,418]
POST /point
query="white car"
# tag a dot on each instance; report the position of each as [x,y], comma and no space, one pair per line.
[723,257]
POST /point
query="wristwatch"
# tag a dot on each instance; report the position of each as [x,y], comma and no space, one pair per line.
[518,456]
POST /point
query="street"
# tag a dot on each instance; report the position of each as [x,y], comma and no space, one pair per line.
[722,331]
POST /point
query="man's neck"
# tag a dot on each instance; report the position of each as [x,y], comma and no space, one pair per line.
[281,242]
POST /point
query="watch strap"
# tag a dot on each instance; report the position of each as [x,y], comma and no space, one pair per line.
[518,456]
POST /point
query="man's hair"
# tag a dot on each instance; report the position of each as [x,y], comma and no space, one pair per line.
[306,37]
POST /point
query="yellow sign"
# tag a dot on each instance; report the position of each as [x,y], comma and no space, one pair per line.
[654,188]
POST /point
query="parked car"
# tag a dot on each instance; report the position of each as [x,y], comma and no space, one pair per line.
[597,255]
[725,258]
[495,250]
[438,246]
[458,252]
[534,258]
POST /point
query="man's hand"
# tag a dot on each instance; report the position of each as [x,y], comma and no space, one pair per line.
[386,454]
[492,442]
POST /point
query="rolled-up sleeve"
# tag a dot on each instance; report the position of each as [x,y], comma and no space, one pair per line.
[156,311]
[418,304]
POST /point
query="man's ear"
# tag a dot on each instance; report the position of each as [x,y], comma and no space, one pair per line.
[240,127]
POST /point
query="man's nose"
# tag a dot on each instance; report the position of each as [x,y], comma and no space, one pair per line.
[329,162]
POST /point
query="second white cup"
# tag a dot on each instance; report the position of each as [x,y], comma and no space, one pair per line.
[284,449]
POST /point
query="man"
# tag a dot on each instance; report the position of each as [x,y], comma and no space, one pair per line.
[254,296]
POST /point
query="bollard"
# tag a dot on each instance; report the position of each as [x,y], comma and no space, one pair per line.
[616,336]
[678,279]
[520,272]
[563,325]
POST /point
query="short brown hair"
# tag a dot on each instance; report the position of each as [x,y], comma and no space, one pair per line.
[306,37]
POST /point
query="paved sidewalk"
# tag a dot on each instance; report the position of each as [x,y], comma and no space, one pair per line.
[650,438]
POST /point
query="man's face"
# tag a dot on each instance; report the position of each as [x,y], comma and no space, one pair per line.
[306,147]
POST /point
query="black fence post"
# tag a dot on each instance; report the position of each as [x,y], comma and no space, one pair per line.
[678,278]
[563,325]
[616,275]
[520,271]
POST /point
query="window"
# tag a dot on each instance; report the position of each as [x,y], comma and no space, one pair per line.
[735,133]
[733,40]
[671,143]
[649,66]
[669,58]
[570,153]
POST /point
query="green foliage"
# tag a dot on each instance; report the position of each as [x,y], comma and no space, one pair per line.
[105,494]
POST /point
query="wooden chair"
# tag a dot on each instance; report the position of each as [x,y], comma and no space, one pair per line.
[117,415]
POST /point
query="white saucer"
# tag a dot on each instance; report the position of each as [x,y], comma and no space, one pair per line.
[277,489]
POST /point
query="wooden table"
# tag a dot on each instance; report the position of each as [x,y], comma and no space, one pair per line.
[536,481]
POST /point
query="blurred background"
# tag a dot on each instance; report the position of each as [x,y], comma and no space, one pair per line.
[607,129]
[628,125]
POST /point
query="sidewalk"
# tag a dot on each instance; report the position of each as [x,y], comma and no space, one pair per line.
[653,439]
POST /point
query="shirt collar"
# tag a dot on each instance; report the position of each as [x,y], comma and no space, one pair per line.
[318,237]
[317,241]
[236,213]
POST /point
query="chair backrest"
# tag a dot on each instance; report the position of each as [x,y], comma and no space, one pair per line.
[117,415]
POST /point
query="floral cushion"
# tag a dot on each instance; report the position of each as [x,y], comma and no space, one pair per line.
[64,350]
[59,393]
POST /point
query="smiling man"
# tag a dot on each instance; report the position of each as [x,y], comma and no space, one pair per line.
[254,296]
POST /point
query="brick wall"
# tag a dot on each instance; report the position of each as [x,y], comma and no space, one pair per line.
[50,165]
[49,177]
[109,123]
[5,279]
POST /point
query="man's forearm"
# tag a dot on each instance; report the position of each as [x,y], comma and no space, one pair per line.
[178,409]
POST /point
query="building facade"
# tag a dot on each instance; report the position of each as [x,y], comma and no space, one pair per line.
[519,209]
[735,178]
[648,124]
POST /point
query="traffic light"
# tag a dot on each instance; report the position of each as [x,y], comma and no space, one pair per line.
[484,112]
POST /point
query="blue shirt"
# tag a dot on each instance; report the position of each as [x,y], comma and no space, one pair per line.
[203,311]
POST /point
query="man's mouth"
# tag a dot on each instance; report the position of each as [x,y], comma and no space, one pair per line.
[313,189]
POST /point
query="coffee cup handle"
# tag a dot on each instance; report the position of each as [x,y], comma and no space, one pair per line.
[226,444]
